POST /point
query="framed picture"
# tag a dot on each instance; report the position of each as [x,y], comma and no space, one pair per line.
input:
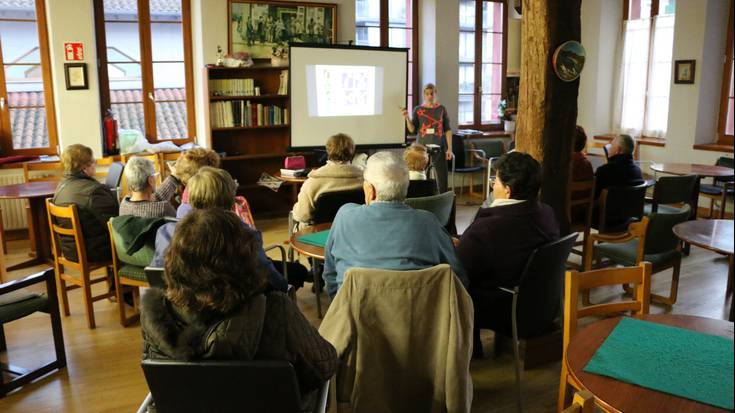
[76,76]
[684,71]
[257,27]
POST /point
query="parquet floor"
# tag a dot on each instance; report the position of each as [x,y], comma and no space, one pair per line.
[104,375]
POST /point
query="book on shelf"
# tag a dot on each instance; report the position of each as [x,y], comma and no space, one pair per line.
[283,85]
[243,113]
[232,87]
[293,173]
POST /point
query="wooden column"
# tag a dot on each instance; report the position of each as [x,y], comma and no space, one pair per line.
[547,107]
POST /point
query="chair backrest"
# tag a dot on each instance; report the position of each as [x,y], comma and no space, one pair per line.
[660,235]
[492,147]
[42,171]
[621,205]
[57,215]
[439,205]
[581,194]
[328,203]
[541,286]
[673,190]
[421,187]
[114,175]
[575,282]
[155,277]
[165,158]
[727,163]
[583,402]
[222,386]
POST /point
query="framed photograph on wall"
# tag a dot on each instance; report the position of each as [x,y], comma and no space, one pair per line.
[257,27]
[76,76]
[684,71]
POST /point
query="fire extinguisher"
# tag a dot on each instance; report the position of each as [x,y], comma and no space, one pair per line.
[110,132]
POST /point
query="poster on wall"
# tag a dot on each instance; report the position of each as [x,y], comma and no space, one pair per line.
[258,27]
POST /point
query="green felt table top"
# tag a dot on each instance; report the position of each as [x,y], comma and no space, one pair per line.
[672,360]
[318,239]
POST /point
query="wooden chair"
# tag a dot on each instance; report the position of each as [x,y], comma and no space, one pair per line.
[583,402]
[619,206]
[84,268]
[129,274]
[640,276]
[651,240]
[165,158]
[39,172]
[580,197]
[720,189]
[156,165]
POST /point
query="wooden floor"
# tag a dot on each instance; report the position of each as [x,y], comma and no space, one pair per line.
[104,375]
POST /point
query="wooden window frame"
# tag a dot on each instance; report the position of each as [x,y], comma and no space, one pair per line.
[384,27]
[722,138]
[6,131]
[146,65]
[477,93]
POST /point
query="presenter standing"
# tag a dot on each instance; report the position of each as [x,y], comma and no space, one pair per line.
[431,123]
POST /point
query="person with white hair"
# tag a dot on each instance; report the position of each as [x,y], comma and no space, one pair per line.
[144,200]
[385,233]
[620,169]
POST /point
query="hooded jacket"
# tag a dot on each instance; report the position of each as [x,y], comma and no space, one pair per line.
[267,327]
[331,177]
[495,247]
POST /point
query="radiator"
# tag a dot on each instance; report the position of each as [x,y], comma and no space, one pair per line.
[14,212]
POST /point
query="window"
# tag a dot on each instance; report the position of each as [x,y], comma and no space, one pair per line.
[481,69]
[725,127]
[27,118]
[391,23]
[645,78]
[145,72]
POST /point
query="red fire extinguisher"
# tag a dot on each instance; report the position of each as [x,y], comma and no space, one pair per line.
[109,124]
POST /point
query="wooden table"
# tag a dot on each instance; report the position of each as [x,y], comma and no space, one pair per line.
[619,396]
[307,249]
[715,235]
[38,230]
[295,182]
[692,169]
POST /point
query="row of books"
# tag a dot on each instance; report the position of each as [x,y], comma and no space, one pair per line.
[238,113]
[232,87]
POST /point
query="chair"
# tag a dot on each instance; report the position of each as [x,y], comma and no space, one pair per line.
[113,178]
[418,188]
[439,205]
[720,188]
[84,268]
[156,165]
[583,402]
[129,271]
[16,304]
[536,300]
[154,275]
[226,387]
[461,166]
[671,190]
[575,282]
[580,204]
[165,158]
[619,206]
[487,151]
[328,203]
[42,171]
[651,240]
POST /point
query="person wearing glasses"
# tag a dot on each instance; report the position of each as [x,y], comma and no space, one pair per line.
[145,200]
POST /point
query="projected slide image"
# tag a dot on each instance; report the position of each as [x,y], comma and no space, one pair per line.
[340,90]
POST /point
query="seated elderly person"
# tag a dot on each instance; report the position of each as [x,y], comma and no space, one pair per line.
[145,200]
[337,175]
[385,233]
[417,159]
[581,166]
[214,188]
[620,169]
[215,305]
[96,204]
[495,247]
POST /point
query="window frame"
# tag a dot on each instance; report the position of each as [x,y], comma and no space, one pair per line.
[384,28]
[477,93]
[727,67]
[146,68]
[6,130]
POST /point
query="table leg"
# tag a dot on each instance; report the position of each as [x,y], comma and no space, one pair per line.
[38,227]
[294,192]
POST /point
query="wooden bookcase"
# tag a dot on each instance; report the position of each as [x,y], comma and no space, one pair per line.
[252,150]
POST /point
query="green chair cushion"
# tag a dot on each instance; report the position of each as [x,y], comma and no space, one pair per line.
[15,306]
[625,254]
[132,272]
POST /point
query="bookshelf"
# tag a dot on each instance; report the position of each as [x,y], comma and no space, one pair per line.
[254,140]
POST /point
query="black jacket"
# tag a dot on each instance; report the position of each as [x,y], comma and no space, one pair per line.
[96,204]
[620,170]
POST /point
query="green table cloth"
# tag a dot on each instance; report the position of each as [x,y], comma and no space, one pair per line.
[318,239]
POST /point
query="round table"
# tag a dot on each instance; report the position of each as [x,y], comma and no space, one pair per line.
[309,250]
[36,194]
[620,396]
[692,169]
[712,234]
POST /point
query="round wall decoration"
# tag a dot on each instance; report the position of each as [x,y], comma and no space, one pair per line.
[568,60]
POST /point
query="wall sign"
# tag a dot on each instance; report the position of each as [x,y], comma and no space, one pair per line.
[73,51]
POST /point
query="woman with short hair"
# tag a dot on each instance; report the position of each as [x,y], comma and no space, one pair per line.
[337,175]
[215,306]
[96,204]
[145,200]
